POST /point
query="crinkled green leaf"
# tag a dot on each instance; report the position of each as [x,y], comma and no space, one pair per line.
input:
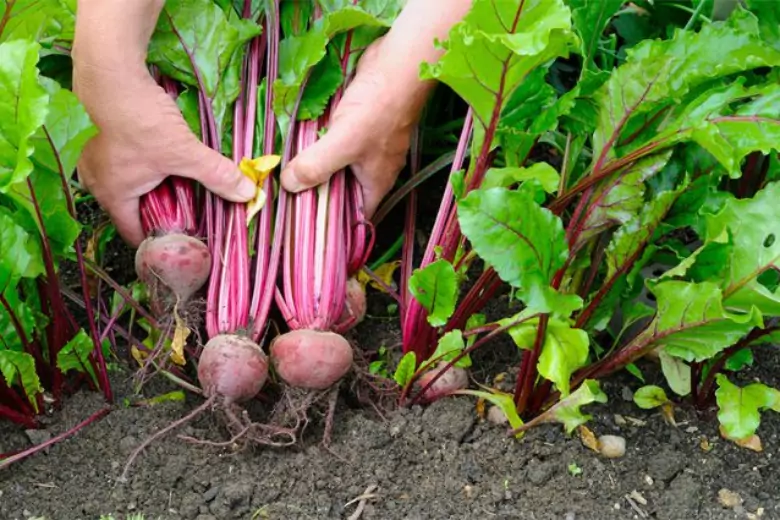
[650,396]
[728,134]
[524,243]
[496,45]
[195,40]
[23,109]
[691,322]
[43,21]
[20,367]
[751,226]
[326,78]
[663,72]
[567,410]
[435,287]
[590,20]
[75,355]
[739,408]
[565,350]
[24,316]
[622,198]
[677,373]
[405,370]
[504,177]
[448,348]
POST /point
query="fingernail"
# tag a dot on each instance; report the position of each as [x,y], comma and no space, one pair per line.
[290,182]
[246,189]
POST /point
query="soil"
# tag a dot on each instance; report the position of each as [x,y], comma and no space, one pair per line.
[439,462]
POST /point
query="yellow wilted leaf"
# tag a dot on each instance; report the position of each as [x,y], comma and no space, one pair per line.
[480,408]
[588,439]
[667,411]
[180,334]
[138,355]
[258,170]
[384,272]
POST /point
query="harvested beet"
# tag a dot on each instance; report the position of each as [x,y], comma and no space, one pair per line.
[233,367]
[173,266]
[311,359]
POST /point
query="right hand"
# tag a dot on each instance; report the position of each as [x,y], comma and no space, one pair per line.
[142,139]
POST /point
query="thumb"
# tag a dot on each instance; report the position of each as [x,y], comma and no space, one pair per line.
[215,172]
[316,164]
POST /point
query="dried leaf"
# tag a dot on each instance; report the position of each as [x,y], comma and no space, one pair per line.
[180,335]
[258,171]
[667,410]
[138,355]
[588,439]
[751,442]
[704,444]
[480,408]
[384,272]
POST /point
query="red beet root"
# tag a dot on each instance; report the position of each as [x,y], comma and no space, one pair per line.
[233,367]
[311,359]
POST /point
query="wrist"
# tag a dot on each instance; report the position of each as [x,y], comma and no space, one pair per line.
[114,34]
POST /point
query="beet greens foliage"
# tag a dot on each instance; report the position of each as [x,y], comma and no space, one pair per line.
[654,228]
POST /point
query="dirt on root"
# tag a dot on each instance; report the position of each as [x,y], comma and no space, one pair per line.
[435,462]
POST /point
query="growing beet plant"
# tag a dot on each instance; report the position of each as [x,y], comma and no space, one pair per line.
[634,242]
[44,351]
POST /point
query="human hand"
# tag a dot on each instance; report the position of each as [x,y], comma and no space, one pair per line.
[142,137]
[371,128]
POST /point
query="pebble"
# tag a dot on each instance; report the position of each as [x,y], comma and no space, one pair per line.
[211,494]
[612,446]
[627,394]
[127,444]
[496,415]
[728,498]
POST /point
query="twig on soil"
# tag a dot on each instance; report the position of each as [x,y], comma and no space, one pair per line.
[5,462]
[362,500]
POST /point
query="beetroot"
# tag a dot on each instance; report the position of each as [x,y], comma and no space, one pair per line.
[233,367]
[174,267]
[311,359]
[453,379]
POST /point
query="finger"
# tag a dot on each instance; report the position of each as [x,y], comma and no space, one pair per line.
[214,171]
[317,163]
[126,217]
[376,180]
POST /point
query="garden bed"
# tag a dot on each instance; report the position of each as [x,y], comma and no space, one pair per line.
[437,462]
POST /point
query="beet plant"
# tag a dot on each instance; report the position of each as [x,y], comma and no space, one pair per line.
[634,240]
[45,354]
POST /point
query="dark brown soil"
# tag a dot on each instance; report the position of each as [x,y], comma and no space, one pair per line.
[437,462]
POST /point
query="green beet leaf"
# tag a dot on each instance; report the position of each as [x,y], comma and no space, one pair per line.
[564,351]
[19,368]
[435,287]
[23,109]
[661,73]
[751,226]
[75,355]
[677,373]
[542,172]
[524,243]
[494,48]
[622,198]
[692,323]
[739,408]
[23,316]
[21,253]
[448,348]
[650,396]
[405,370]
[590,20]
[43,21]
[568,411]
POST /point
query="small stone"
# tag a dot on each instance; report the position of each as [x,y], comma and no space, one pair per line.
[620,420]
[38,437]
[570,516]
[612,446]
[649,480]
[496,415]
[211,494]
[729,499]
[627,394]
